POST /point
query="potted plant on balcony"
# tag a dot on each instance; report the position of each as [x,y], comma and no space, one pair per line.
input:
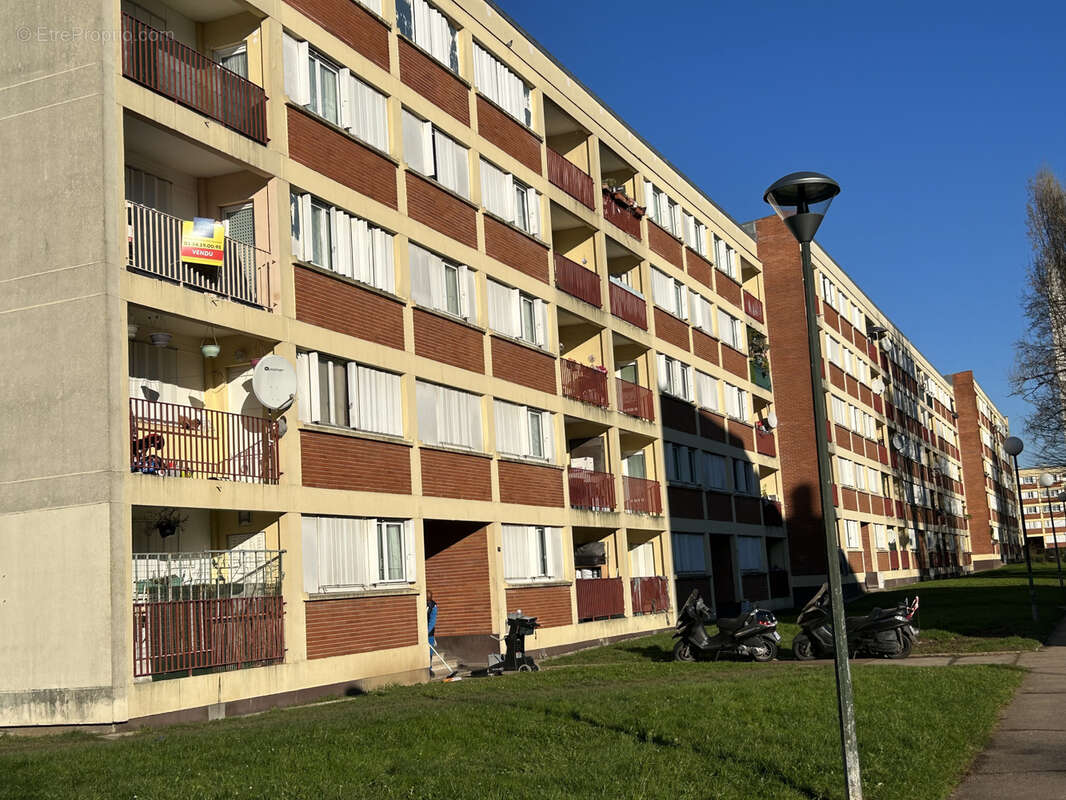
[758,347]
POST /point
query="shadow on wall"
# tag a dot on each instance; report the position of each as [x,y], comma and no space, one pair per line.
[806,545]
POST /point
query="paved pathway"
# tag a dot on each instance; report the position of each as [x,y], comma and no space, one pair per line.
[1026,756]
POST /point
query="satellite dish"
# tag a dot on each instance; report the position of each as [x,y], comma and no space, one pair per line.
[771,420]
[898,441]
[878,386]
[274,383]
[886,345]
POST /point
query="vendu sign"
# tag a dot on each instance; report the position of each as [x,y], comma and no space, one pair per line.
[202,242]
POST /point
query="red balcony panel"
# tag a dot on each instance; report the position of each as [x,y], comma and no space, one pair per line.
[576,280]
[591,490]
[571,179]
[621,216]
[642,496]
[765,443]
[635,400]
[600,598]
[629,306]
[753,306]
[584,383]
[650,595]
[878,404]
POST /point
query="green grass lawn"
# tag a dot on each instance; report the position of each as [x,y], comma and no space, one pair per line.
[640,730]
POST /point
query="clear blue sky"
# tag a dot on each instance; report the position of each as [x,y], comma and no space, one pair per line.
[931,116]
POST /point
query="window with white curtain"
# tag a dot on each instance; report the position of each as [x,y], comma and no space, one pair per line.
[701,313]
[675,378]
[333,93]
[523,431]
[707,391]
[689,555]
[880,536]
[665,212]
[737,402]
[715,471]
[725,258]
[833,351]
[510,199]
[851,534]
[695,233]
[448,416]
[517,314]
[341,554]
[502,86]
[751,554]
[434,154]
[424,25]
[442,285]
[840,410]
[166,375]
[731,331]
[532,553]
[333,391]
[642,561]
[669,294]
[148,190]
[873,481]
[846,471]
[350,246]
[745,481]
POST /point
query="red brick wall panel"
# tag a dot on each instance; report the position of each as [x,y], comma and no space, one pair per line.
[334,461]
[699,268]
[530,484]
[433,206]
[457,572]
[836,377]
[742,435]
[677,414]
[729,289]
[514,249]
[706,347]
[449,342]
[350,625]
[685,503]
[713,426]
[671,329]
[352,24]
[346,308]
[458,475]
[663,243]
[734,361]
[435,83]
[748,509]
[523,366]
[507,134]
[855,561]
[318,146]
[719,507]
[849,498]
[549,604]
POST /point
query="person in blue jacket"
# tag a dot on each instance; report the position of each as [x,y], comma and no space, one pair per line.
[431,619]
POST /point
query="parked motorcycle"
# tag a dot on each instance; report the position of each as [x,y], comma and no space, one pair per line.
[889,632]
[751,634]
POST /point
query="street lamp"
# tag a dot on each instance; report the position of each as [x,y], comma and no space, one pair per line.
[1046,480]
[1014,446]
[801,200]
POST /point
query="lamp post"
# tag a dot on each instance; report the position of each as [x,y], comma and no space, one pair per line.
[1046,480]
[801,200]
[1014,446]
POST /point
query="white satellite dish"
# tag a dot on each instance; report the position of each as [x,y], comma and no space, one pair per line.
[274,383]
[898,441]
[771,420]
[886,345]
[878,386]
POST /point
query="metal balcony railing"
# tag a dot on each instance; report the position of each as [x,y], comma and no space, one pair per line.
[642,495]
[571,179]
[584,383]
[154,247]
[591,490]
[650,595]
[155,59]
[753,306]
[621,216]
[576,280]
[635,400]
[629,306]
[600,598]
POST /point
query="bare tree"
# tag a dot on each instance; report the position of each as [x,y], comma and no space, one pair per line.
[1039,372]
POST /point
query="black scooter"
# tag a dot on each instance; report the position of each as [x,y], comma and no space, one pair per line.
[752,634]
[889,632]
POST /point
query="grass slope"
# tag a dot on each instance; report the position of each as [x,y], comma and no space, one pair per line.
[641,730]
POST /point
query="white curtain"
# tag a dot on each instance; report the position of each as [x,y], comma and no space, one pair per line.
[166,374]
[504,315]
[339,553]
[512,429]
[649,200]
[433,33]
[688,552]
[662,291]
[368,116]
[427,278]
[417,143]
[706,391]
[500,85]
[452,166]
[663,370]
[642,561]
[497,191]
[522,553]
[448,416]
[374,400]
[373,255]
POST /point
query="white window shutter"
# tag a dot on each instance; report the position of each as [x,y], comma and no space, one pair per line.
[345,88]
[297,72]
[303,387]
[417,143]
[663,371]
[675,375]
[392,401]
[649,199]
[547,438]
[310,554]
[683,311]
[307,240]
[355,400]
[540,322]
[362,251]
[422,266]
[410,556]
[469,290]
[342,238]
[315,393]
[555,557]
[675,218]
[533,206]
[426,398]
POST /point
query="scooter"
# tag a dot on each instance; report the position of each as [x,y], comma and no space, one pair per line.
[751,634]
[889,632]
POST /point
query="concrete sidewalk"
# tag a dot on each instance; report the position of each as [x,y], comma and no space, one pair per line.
[1026,756]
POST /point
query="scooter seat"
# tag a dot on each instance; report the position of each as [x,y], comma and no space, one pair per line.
[729,623]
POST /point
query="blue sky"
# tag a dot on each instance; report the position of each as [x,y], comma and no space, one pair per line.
[931,117]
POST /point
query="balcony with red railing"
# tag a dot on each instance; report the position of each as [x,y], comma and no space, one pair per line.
[753,306]
[642,496]
[158,61]
[173,440]
[765,443]
[576,280]
[599,598]
[571,179]
[621,214]
[591,490]
[628,305]
[583,383]
[635,400]
[650,595]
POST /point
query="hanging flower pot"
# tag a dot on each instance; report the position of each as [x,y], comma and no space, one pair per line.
[210,350]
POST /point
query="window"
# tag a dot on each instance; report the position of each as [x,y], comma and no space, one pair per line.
[428,151]
[350,246]
[148,190]
[510,199]
[345,553]
[523,431]
[695,233]
[832,351]
[496,81]
[751,553]
[715,471]
[737,404]
[429,29]
[725,258]
[665,212]
[730,331]
[675,378]
[701,313]
[448,416]
[840,410]
[846,471]
[669,294]
[642,561]
[532,553]
[166,375]
[323,96]
[517,314]
[337,392]
[439,284]
[873,481]
[707,391]
[689,555]
[829,292]
[682,464]
[851,534]
[744,479]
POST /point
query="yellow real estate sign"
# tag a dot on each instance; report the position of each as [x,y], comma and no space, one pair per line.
[202,242]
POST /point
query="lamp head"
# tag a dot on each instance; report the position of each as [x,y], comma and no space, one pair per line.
[1013,445]
[801,201]
[1046,479]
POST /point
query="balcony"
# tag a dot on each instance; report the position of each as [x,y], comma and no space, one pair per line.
[155,59]
[765,443]
[627,305]
[154,247]
[753,307]
[599,598]
[584,383]
[571,179]
[642,496]
[759,373]
[621,214]
[206,611]
[576,280]
[635,400]
[650,595]
[591,490]
[169,439]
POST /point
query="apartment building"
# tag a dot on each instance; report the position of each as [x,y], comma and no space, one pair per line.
[530,357]
[1042,509]
[991,499]
[893,435]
